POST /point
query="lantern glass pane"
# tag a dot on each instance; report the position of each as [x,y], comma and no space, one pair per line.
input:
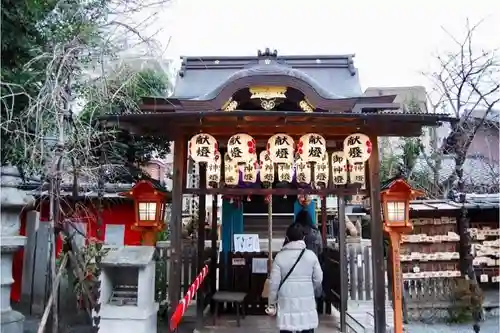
[396,211]
[147,211]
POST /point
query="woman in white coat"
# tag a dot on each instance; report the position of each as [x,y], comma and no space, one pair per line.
[295,276]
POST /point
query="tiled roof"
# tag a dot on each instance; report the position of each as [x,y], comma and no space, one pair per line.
[477,171]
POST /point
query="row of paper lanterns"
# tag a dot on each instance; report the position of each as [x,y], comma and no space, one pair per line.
[311,147]
[282,153]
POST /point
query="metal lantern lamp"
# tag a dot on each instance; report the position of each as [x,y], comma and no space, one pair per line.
[150,201]
[396,195]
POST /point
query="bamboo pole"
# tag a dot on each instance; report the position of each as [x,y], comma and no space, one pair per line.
[52,296]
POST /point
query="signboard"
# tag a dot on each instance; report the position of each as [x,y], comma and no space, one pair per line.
[114,235]
[259,265]
[246,243]
[238,261]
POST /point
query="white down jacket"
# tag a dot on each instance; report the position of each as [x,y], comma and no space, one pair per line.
[296,302]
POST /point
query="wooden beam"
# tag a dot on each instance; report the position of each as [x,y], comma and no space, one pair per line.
[347,190]
[174,279]
[377,239]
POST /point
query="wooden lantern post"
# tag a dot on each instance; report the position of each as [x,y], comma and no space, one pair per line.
[395,196]
[150,203]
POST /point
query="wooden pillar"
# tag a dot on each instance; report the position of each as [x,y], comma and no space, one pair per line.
[174,278]
[323,220]
[202,213]
[397,284]
[343,263]
[377,236]
[214,235]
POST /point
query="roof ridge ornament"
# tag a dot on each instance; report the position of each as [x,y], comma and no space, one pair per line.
[267,53]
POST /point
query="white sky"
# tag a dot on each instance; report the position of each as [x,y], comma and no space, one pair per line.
[393,40]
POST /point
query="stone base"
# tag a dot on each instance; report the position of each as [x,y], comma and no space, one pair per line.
[12,322]
[128,319]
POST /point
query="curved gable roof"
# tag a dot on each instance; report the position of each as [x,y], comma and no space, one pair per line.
[329,77]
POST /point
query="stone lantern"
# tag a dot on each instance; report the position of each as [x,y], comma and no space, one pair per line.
[12,202]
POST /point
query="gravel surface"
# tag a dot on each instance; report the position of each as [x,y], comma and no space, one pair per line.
[491,325]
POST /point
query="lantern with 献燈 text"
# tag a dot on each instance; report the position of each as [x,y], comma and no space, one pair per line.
[202,148]
[357,148]
[311,148]
[150,201]
[281,148]
[241,148]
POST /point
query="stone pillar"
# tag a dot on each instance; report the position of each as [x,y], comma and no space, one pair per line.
[12,202]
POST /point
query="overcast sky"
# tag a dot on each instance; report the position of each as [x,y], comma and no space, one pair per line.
[393,40]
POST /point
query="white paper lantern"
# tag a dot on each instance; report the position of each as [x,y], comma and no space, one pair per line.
[357,147]
[303,171]
[321,172]
[231,171]
[266,170]
[339,168]
[250,171]
[357,173]
[285,172]
[214,170]
[241,148]
[281,148]
[311,147]
[202,148]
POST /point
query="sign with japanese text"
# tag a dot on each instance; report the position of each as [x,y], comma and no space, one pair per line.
[202,148]
[281,148]
[357,147]
[246,243]
[339,168]
[311,147]
[241,148]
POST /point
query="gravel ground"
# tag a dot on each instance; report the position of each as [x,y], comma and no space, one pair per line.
[491,325]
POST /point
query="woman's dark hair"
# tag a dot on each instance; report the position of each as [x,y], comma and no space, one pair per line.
[304,218]
[295,232]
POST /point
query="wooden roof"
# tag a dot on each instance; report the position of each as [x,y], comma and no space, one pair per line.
[262,124]
[329,84]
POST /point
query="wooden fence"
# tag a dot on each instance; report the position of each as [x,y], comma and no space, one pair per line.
[189,269]
[424,298]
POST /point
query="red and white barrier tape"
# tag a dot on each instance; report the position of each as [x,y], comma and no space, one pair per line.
[184,302]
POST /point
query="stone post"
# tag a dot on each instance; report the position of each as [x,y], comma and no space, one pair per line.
[12,202]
